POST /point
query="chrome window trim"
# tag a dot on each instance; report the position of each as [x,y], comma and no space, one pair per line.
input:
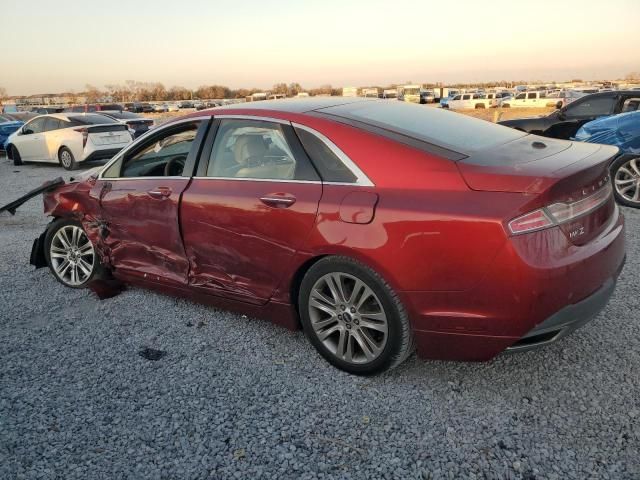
[252,117]
[361,177]
[245,179]
[107,179]
[141,138]
[276,180]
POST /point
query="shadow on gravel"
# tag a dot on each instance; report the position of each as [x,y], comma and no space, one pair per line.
[151,354]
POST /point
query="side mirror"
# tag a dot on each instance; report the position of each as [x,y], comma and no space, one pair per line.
[26,131]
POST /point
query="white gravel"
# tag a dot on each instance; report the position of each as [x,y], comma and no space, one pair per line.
[240,398]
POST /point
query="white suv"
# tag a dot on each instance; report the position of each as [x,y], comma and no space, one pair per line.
[68,139]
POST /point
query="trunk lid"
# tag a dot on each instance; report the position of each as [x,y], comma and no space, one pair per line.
[530,164]
[549,172]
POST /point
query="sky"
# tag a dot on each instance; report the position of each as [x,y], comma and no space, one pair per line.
[52,46]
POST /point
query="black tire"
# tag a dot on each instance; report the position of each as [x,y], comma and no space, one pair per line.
[15,155]
[614,168]
[66,159]
[55,227]
[480,105]
[505,105]
[399,341]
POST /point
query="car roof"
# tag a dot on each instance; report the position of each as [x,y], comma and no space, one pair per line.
[294,105]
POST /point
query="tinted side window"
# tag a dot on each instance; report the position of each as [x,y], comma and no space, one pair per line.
[521,96]
[52,124]
[163,155]
[531,96]
[36,126]
[592,107]
[327,163]
[631,105]
[253,149]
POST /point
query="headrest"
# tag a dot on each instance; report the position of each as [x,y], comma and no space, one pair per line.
[248,146]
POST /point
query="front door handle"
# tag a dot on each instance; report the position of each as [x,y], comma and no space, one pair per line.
[160,192]
[278,201]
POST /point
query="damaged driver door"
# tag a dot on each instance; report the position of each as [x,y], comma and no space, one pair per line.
[140,198]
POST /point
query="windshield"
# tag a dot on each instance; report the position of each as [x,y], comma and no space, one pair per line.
[449,130]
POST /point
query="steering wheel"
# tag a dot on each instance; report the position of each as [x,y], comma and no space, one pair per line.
[174,167]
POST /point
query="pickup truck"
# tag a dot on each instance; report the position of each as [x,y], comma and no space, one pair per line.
[565,122]
[529,99]
[466,101]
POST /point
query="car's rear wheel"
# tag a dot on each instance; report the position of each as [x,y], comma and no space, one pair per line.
[480,105]
[15,155]
[70,254]
[353,317]
[66,159]
[505,105]
[625,172]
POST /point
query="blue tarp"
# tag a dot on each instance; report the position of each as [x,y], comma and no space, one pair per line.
[622,131]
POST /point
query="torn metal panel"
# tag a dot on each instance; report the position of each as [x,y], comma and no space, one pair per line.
[46,186]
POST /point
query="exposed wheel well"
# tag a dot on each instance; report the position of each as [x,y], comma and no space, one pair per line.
[9,151]
[298,276]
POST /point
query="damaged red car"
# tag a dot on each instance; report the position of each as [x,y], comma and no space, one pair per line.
[375,226]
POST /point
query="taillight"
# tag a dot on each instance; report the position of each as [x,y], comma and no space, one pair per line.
[565,212]
[530,222]
[559,213]
[85,135]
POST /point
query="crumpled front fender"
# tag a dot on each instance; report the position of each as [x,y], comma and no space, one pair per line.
[78,201]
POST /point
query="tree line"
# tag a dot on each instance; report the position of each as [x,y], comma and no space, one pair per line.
[133,90]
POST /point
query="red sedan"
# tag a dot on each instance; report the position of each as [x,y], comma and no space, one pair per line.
[376,225]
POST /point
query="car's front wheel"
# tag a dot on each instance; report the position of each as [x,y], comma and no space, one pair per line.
[625,173]
[70,254]
[353,317]
[66,159]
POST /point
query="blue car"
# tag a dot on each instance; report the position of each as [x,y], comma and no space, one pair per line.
[622,131]
[6,129]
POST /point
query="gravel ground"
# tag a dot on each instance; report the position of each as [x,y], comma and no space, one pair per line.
[240,398]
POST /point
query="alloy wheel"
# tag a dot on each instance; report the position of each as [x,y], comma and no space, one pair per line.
[348,318]
[65,158]
[72,255]
[627,180]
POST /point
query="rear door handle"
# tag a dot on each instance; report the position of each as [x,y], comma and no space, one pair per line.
[278,201]
[160,192]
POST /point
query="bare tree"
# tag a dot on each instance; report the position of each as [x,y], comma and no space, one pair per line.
[92,93]
[3,95]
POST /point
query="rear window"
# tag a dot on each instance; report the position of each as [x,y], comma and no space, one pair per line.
[90,120]
[126,115]
[453,131]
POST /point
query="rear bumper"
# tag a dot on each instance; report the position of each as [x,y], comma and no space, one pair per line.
[568,319]
[539,289]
